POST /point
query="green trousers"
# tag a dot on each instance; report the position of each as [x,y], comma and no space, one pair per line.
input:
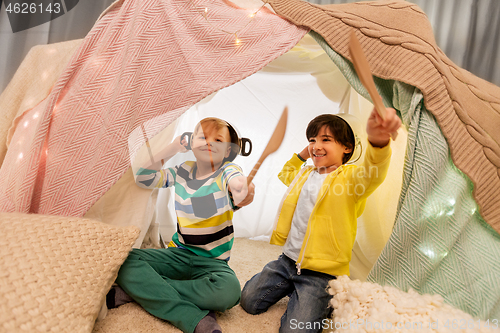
[177,285]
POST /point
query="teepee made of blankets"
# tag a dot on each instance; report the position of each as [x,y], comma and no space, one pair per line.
[146,60]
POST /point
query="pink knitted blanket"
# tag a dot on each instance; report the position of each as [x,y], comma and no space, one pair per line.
[143,62]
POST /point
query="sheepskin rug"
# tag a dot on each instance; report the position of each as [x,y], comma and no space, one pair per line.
[362,307]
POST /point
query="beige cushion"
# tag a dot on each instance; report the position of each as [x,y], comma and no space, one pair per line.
[55,271]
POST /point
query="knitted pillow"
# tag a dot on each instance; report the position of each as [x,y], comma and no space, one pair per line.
[363,307]
[55,271]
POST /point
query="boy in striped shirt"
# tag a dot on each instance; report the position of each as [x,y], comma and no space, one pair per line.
[187,281]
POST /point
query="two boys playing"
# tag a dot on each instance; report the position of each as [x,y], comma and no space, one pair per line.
[316,224]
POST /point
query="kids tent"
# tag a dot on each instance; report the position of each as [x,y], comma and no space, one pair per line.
[134,77]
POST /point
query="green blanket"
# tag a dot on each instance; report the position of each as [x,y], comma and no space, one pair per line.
[440,243]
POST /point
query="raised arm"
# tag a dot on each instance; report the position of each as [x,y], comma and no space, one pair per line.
[165,154]
[151,176]
[379,130]
[375,165]
[293,166]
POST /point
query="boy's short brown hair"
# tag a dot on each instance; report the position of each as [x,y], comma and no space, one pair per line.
[340,129]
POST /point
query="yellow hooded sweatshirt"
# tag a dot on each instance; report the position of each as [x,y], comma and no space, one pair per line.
[331,229]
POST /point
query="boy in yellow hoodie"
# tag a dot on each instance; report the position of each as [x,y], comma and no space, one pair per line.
[316,222]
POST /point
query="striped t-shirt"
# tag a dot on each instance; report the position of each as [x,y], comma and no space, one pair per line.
[203,207]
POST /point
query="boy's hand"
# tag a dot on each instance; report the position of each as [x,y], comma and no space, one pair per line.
[180,143]
[250,195]
[378,130]
[304,154]
[239,189]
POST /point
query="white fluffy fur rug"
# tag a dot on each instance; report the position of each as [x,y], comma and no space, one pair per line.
[364,307]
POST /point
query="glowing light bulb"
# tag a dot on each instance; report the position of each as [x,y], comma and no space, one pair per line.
[26,124]
[451,211]
[35,116]
[429,253]
[205,13]
[237,41]
[252,15]
[20,155]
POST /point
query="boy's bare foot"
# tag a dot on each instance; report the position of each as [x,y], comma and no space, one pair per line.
[208,324]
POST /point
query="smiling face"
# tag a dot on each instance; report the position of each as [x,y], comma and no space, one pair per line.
[326,153]
[211,143]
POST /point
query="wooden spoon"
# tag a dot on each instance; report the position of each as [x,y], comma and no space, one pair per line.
[363,70]
[273,144]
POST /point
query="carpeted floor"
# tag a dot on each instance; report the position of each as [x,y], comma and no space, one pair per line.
[247,258]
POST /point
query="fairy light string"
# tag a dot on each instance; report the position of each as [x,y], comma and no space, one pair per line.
[237,40]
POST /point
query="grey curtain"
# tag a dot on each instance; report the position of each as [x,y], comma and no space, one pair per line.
[74,24]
